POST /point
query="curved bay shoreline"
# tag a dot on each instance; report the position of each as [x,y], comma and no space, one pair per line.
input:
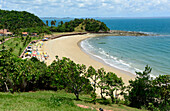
[69,46]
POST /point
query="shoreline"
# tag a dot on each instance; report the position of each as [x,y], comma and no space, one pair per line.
[102,61]
[69,47]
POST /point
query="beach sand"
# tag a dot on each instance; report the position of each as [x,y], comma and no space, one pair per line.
[69,47]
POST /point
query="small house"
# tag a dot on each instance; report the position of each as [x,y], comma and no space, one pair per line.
[34,34]
[1,33]
[24,33]
[5,32]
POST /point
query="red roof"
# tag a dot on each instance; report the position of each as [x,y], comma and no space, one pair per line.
[25,33]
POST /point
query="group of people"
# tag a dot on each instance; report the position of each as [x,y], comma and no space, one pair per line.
[42,56]
[35,51]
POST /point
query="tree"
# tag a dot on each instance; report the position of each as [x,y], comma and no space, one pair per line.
[141,91]
[52,23]
[4,58]
[47,22]
[74,76]
[162,90]
[102,81]
[93,75]
[113,83]
[55,76]
[55,22]
[61,22]
[20,50]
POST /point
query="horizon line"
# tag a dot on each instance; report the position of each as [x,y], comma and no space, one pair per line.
[106,17]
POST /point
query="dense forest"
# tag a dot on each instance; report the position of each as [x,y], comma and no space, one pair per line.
[18,75]
[14,20]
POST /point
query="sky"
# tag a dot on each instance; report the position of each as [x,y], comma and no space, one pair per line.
[90,8]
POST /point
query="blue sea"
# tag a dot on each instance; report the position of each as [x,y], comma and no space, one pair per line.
[131,53]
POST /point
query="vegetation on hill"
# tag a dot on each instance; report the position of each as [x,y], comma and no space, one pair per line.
[39,30]
[23,21]
[80,25]
[14,20]
[17,75]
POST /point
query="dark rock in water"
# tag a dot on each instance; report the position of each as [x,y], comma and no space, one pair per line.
[124,33]
[101,43]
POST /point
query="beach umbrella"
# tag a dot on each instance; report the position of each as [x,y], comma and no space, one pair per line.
[28,53]
[34,55]
[44,39]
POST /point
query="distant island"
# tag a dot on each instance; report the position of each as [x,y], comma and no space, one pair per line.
[56,17]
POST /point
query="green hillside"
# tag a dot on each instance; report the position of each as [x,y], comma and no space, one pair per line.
[19,21]
[53,101]
[14,20]
[81,25]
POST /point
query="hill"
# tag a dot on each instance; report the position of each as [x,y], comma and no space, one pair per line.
[81,25]
[14,20]
[53,101]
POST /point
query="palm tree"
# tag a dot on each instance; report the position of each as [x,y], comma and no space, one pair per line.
[52,23]
[47,22]
[3,40]
[55,22]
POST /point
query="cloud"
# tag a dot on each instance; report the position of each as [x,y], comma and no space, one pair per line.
[90,7]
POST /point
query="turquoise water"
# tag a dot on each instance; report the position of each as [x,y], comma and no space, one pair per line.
[133,53]
[148,25]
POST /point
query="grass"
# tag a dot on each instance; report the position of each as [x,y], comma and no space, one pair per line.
[1,37]
[79,28]
[51,101]
[60,33]
[16,43]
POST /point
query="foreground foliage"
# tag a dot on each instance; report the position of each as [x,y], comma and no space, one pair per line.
[51,101]
[17,75]
[151,93]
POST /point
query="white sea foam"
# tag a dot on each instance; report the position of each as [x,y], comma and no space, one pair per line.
[108,59]
[105,57]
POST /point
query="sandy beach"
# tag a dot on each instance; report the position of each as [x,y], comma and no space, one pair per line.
[69,47]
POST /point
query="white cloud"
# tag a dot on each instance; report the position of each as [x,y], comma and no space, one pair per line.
[81,5]
[90,7]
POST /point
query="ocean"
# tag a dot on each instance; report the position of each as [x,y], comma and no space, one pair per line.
[131,53]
